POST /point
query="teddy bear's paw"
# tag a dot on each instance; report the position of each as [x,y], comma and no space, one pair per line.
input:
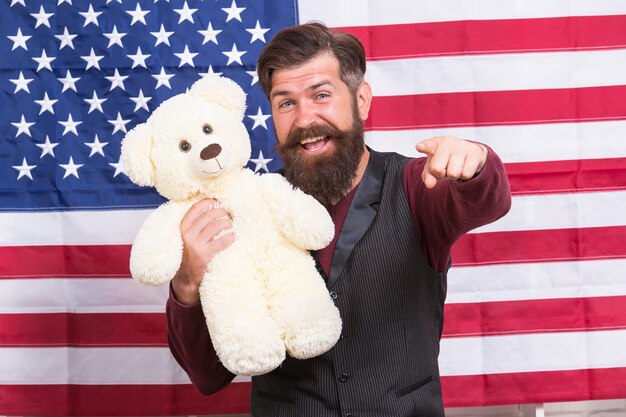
[262,359]
[317,338]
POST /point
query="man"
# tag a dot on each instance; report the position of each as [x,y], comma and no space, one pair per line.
[396,219]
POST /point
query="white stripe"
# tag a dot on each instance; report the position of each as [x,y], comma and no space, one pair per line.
[529,71]
[562,211]
[108,227]
[99,366]
[80,296]
[489,355]
[523,143]
[530,212]
[533,281]
[371,12]
[532,352]
[465,284]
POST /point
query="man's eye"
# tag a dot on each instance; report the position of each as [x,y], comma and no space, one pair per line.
[322,95]
[285,104]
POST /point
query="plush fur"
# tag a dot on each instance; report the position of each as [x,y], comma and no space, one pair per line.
[262,295]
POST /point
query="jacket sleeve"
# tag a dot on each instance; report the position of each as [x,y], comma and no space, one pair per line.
[189,341]
[452,208]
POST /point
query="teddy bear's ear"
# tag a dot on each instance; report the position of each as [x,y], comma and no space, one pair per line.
[221,91]
[136,155]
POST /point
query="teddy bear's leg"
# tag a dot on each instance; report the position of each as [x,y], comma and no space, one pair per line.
[245,337]
[302,306]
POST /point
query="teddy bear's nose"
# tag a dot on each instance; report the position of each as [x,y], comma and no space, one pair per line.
[210,151]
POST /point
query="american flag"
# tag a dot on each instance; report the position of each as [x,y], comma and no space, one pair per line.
[536,307]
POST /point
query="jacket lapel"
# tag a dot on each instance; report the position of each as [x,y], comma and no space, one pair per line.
[362,211]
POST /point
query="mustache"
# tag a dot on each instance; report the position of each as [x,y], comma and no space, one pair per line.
[318,130]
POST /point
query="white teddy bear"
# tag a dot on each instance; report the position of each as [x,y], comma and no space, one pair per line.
[262,294]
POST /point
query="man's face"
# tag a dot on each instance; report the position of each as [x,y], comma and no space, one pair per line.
[319,126]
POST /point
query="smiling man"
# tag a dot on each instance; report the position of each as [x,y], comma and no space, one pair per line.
[396,219]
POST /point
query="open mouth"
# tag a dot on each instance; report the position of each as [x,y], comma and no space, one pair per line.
[314,145]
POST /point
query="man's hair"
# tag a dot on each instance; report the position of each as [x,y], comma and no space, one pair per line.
[297,45]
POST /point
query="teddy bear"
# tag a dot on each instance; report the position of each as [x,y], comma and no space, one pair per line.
[263,295]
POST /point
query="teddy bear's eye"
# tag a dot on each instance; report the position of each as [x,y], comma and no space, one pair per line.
[184,146]
[207,129]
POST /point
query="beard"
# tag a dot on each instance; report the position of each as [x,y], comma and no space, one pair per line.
[328,178]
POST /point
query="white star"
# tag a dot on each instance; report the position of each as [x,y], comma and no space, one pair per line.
[141,102]
[186,57]
[47,147]
[254,75]
[44,61]
[185,13]
[21,83]
[210,34]
[70,168]
[69,82]
[139,59]
[234,55]
[66,39]
[96,146]
[95,103]
[13,2]
[115,38]
[119,123]
[259,119]
[119,167]
[60,2]
[117,80]
[70,125]
[257,32]
[46,104]
[233,11]
[90,16]
[138,15]
[19,40]
[209,72]
[92,60]
[23,127]
[261,162]
[24,169]
[163,79]
[162,36]
[42,17]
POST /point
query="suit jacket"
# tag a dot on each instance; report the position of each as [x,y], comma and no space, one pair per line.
[391,303]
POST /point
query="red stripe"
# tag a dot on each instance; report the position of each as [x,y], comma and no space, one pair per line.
[121,400]
[535,316]
[497,108]
[540,246]
[466,319]
[85,329]
[146,400]
[65,261]
[533,387]
[469,37]
[567,176]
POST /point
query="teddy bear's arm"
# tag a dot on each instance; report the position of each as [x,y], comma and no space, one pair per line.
[157,250]
[300,217]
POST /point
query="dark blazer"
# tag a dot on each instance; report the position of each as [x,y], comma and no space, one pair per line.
[391,303]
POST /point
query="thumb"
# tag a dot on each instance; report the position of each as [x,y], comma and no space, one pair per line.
[427,177]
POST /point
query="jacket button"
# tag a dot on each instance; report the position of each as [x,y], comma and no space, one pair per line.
[343,377]
[333,295]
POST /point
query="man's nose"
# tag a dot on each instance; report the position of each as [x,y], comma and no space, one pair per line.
[306,115]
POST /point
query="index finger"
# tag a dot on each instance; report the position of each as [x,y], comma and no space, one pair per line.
[197,210]
[427,146]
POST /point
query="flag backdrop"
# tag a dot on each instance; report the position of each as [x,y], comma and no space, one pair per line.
[536,309]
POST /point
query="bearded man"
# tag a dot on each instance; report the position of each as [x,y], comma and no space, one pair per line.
[396,219]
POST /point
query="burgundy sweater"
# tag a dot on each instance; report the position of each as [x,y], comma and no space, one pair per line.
[440,215]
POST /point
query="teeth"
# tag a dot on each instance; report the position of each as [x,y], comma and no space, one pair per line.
[311,140]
